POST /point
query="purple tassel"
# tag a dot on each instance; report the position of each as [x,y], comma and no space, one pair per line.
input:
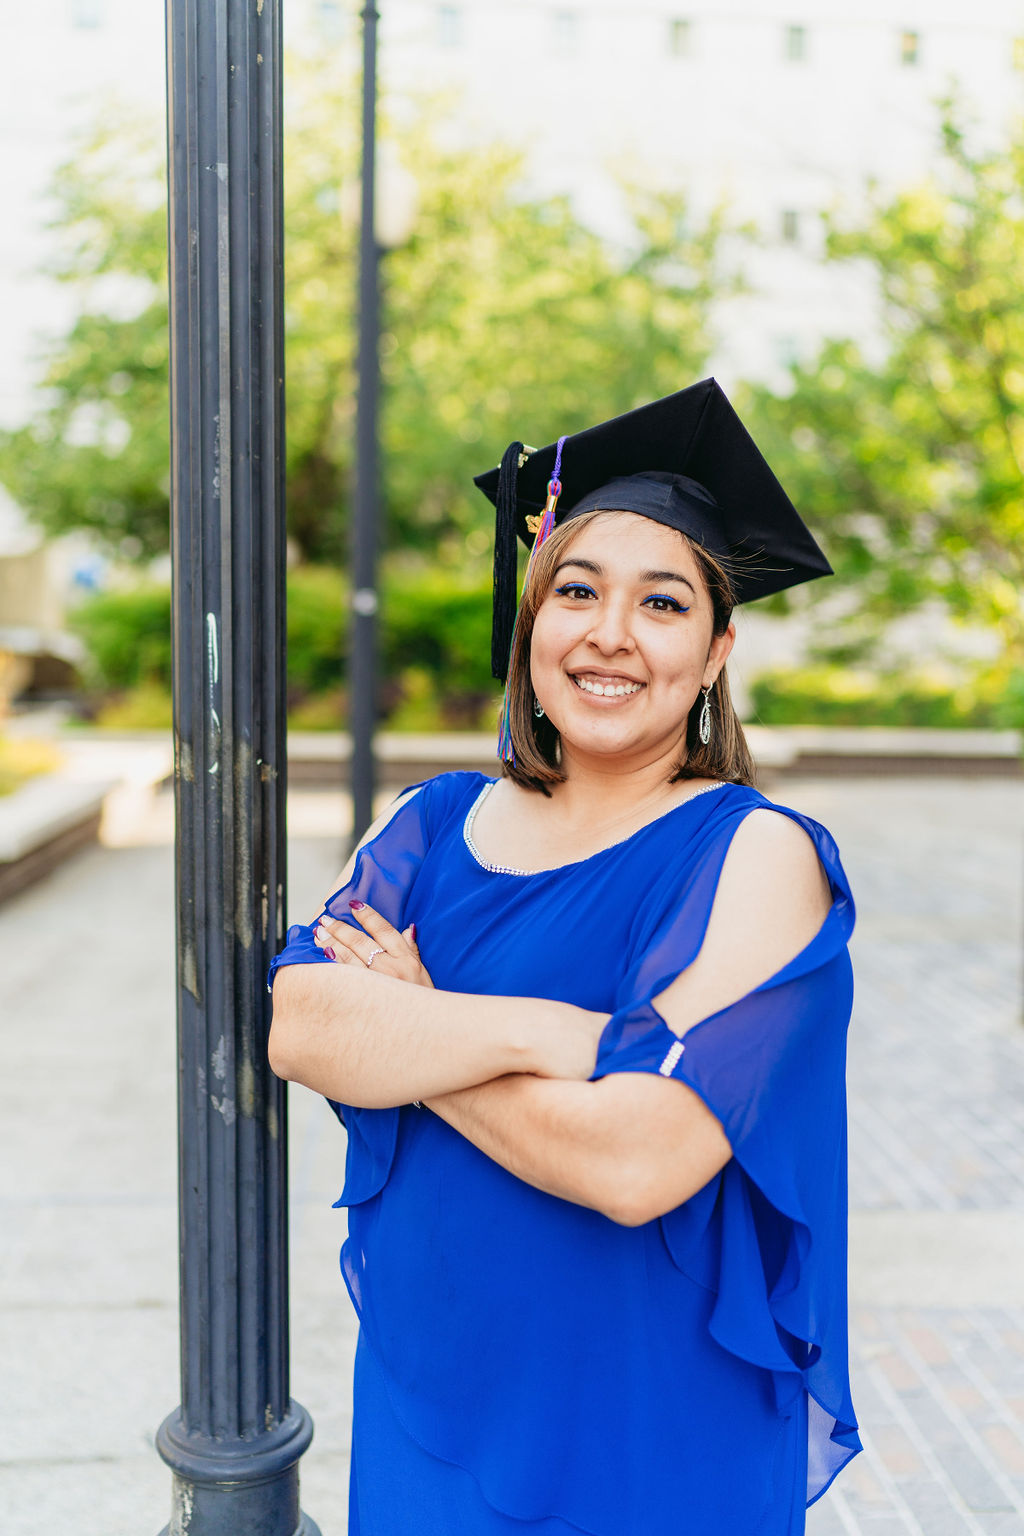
[506,751]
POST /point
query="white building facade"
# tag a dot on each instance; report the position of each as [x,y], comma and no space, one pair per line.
[781,110]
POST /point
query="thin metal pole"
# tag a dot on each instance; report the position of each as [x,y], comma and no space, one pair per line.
[366,520]
[234,1443]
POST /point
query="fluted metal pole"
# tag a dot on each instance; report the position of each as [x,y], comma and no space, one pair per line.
[365,522]
[234,1443]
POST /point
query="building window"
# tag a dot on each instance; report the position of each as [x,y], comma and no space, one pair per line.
[790,226]
[680,38]
[87,14]
[330,16]
[794,44]
[910,47]
[449,26]
[565,28]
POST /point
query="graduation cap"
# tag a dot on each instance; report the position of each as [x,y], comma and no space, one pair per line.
[686,461]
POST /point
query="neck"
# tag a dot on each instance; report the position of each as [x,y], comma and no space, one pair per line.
[603,788]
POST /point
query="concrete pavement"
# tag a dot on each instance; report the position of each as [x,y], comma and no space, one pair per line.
[88,1252]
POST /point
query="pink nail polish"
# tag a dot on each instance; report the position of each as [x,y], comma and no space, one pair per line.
[357,906]
[329,953]
[413,927]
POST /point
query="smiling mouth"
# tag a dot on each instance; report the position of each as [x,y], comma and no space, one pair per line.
[610,688]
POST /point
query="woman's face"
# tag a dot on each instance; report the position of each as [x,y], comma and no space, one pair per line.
[623,643]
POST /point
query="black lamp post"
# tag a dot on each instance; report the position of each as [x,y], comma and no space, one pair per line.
[388,200]
[234,1443]
[365,523]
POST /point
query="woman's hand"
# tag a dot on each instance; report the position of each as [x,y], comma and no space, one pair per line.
[375,945]
[563,1039]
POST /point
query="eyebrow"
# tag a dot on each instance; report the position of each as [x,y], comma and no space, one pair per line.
[644,578]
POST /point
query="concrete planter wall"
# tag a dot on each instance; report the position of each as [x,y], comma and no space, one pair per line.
[42,824]
[321,759]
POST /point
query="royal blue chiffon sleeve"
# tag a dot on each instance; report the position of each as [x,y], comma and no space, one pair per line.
[382,876]
[768,1235]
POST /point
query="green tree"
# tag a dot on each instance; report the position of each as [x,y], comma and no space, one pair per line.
[503,317]
[96,456]
[913,468]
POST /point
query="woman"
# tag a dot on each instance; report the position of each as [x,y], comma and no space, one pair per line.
[586,1027]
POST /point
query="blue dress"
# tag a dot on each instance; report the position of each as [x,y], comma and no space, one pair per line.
[527,1365]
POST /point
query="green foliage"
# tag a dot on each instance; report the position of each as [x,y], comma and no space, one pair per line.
[914,468]
[502,317]
[434,645]
[436,649]
[434,641]
[143,707]
[992,699]
[127,635]
[317,643]
[96,456]
[440,621]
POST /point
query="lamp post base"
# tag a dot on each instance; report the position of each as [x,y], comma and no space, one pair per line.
[221,1489]
[305,1527]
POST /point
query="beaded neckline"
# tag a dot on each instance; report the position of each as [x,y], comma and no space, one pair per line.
[508,869]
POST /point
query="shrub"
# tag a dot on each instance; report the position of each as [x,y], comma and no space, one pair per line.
[127,636]
[992,698]
[436,642]
[434,645]
[317,630]
[146,707]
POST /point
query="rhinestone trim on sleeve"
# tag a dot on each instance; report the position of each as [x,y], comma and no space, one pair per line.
[668,1065]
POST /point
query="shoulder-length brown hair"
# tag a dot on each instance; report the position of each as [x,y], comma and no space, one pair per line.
[536,742]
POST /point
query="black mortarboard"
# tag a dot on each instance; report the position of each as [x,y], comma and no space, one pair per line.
[686,461]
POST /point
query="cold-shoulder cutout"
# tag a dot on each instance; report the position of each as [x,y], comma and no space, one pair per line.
[771,900]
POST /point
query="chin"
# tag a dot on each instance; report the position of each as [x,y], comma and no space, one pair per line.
[604,741]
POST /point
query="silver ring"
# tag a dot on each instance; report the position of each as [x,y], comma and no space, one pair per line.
[371,957]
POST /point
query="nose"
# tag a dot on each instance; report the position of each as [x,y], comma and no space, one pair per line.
[610,630]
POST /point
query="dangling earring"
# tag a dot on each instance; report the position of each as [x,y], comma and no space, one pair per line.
[704,723]
[538,708]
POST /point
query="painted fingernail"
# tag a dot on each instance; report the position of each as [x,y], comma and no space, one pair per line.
[357,906]
[329,953]
[413,927]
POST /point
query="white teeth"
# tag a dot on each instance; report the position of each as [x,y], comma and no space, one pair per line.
[603,689]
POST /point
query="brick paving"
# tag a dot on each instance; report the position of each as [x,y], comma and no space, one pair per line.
[936,1124]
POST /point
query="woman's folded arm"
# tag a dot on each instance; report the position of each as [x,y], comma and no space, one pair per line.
[635,1145]
[373,1041]
[629,1145]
